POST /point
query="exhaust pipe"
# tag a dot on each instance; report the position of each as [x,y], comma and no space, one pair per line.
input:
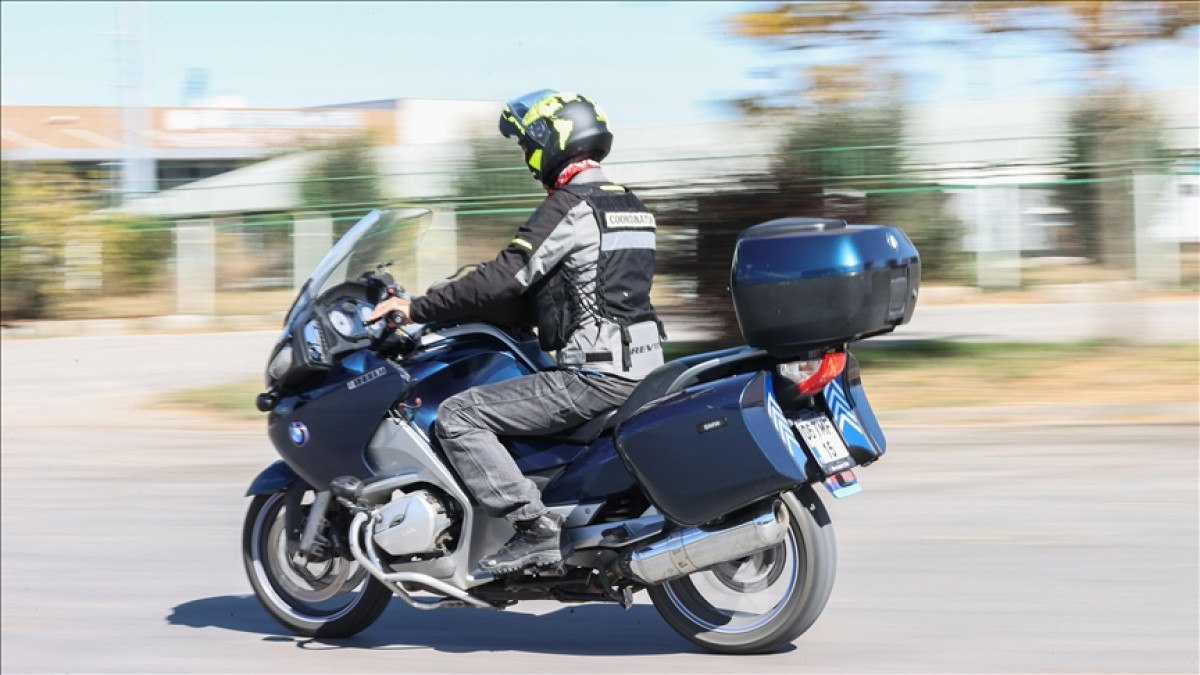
[696,548]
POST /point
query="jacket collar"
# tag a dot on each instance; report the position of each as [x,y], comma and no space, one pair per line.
[589,176]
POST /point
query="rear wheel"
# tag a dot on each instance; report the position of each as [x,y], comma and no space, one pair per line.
[765,600]
[323,597]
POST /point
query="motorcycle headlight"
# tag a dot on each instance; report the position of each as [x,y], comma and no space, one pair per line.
[279,365]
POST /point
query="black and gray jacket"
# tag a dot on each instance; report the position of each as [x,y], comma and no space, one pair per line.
[583,265]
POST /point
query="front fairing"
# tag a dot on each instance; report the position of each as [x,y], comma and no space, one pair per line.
[382,243]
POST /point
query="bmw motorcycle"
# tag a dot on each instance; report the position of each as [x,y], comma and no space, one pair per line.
[702,489]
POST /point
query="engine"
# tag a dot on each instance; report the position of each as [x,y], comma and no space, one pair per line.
[416,524]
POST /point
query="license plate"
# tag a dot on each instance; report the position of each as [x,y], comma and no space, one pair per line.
[824,442]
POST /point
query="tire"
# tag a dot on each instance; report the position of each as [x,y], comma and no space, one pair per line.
[785,588]
[333,598]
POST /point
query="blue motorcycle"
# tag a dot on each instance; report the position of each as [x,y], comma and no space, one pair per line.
[701,489]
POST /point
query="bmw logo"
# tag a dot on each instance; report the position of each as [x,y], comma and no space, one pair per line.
[891,240]
[299,433]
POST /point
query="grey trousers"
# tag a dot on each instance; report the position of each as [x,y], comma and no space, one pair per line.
[543,403]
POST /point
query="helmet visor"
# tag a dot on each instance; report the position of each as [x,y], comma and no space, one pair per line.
[512,119]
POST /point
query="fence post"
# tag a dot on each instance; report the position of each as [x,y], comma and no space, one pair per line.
[84,260]
[438,254]
[998,237]
[195,267]
[1156,256]
[312,236]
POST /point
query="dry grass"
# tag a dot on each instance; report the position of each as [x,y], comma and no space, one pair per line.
[940,375]
[233,401]
[948,375]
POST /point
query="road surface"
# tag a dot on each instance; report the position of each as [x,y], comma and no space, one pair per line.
[975,547]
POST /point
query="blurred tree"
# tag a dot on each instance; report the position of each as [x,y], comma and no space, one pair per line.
[1110,138]
[38,207]
[495,183]
[828,165]
[135,253]
[806,25]
[853,146]
[863,27]
[1097,28]
[344,180]
[45,208]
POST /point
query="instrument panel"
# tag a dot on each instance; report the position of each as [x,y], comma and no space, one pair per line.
[348,316]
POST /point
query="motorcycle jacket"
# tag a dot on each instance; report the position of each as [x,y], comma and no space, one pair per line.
[583,265]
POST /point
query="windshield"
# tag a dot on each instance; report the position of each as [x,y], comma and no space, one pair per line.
[382,237]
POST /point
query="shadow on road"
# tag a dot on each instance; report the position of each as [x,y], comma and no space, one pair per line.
[590,630]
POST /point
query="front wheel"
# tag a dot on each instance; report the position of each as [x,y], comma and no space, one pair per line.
[330,597]
[765,600]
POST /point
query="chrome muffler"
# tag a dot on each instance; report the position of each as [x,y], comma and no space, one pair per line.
[697,548]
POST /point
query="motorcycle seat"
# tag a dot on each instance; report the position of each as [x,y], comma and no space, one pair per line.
[653,386]
[666,379]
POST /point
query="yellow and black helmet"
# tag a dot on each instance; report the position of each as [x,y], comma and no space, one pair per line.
[554,129]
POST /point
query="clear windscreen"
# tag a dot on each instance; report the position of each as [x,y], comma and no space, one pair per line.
[383,239]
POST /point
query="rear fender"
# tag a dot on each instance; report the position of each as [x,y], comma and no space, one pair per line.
[852,414]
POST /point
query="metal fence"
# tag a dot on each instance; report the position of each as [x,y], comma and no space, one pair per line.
[1016,223]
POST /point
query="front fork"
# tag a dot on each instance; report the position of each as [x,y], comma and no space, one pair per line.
[304,536]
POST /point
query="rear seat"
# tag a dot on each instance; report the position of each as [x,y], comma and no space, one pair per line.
[666,379]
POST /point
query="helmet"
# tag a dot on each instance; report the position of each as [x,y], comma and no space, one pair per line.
[555,129]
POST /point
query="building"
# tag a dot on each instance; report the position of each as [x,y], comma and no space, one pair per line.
[183,144]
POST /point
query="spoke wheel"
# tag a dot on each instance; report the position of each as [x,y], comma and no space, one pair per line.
[327,597]
[762,601]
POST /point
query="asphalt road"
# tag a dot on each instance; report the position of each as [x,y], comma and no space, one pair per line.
[989,546]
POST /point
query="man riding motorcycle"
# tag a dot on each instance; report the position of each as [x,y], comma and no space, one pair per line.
[582,265]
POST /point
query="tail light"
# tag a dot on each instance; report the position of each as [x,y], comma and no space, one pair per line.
[813,375]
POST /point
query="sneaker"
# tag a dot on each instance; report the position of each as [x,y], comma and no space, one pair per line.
[536,543]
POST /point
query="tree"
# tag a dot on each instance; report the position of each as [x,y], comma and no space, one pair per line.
[36,212]
[827,166]
[1111,136]
[495,194]
[862,29]
[1096,28]
[344,181]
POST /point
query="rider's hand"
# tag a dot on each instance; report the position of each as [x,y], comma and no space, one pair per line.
[392,304]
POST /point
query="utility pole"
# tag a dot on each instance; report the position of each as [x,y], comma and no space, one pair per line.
[137,167]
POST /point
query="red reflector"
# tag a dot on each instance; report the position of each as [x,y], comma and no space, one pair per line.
[831,366]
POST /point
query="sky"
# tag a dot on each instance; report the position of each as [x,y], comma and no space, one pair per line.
[647,63]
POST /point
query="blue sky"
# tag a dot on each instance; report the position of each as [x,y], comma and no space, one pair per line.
[647,63]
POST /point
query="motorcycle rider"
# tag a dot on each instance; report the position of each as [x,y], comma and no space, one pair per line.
[582,265]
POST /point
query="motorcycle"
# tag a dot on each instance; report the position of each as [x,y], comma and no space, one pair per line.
[701,489]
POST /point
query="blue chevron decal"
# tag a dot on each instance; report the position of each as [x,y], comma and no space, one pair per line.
[783,427]
[844,416]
